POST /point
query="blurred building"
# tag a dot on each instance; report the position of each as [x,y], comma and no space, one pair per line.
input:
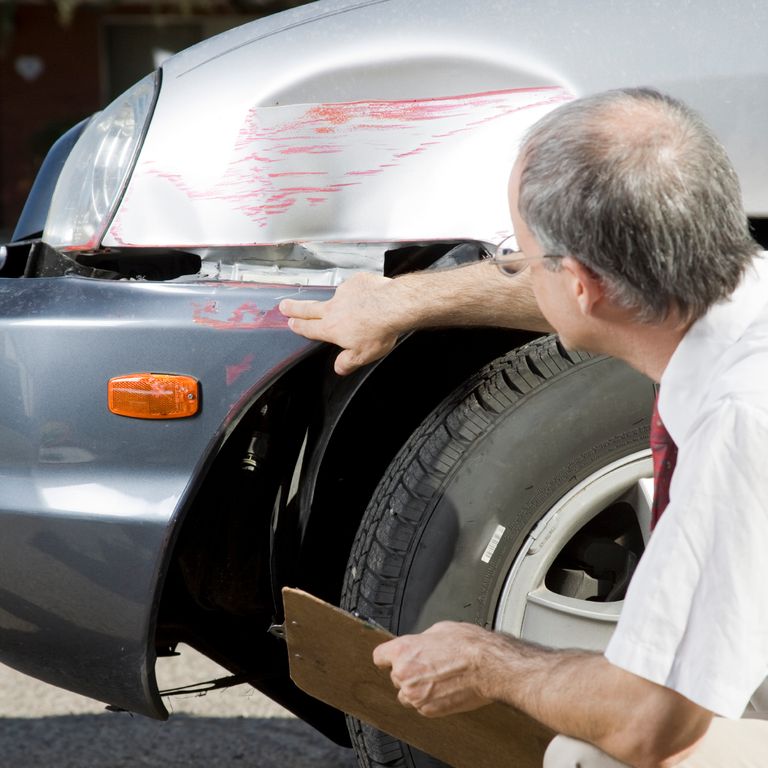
[62,60]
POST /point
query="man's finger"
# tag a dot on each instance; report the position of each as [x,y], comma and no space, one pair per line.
[346,362]
[382,654]
[309,329]
[404,700]
[307,310]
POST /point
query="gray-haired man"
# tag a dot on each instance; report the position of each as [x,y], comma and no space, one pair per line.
[628,214]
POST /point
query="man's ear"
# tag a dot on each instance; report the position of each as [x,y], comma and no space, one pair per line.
[588,289]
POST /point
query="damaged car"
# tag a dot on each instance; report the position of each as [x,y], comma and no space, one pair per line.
[172,455]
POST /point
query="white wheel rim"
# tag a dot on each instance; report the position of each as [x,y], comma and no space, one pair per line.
[527,608]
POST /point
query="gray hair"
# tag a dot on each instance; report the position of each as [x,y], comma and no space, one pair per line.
[633,185]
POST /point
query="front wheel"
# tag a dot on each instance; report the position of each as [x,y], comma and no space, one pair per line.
[522,504]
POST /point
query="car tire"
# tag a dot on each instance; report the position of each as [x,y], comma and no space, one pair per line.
[481,483]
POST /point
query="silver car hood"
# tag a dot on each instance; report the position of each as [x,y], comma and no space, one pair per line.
[393,120]
[372,170]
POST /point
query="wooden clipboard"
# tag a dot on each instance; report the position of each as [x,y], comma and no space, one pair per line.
[330,659]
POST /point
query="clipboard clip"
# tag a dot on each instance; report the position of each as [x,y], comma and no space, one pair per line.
[277,630]
[371,622]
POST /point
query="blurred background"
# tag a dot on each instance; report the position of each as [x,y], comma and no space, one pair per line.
[62,60]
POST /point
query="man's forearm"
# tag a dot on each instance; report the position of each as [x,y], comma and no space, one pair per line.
[457,667]
[474,295]
[369,312]
[581,694]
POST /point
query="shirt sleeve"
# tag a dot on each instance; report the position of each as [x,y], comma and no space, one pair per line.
[695,618]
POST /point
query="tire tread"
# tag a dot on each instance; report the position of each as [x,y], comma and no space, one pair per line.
[422,466]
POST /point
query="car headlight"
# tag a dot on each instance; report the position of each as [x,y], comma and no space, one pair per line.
[94,175]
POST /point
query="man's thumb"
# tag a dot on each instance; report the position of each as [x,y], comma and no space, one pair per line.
[346,362]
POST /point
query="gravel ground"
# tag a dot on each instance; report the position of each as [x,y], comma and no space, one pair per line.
[45,727]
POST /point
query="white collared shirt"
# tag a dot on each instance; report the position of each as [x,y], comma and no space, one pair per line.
[695,618]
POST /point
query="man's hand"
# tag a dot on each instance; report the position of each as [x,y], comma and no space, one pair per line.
[436,672]
[456,667]
[369,312]
[362,318]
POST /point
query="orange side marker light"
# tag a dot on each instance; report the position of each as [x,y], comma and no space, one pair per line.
[154,396]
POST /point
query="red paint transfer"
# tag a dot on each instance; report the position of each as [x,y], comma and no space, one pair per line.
[246,317]
[234,372]
[278,145]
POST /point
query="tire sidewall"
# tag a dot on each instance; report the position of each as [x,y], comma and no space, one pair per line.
[508,478]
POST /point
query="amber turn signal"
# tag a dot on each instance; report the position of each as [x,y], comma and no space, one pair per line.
[154,396]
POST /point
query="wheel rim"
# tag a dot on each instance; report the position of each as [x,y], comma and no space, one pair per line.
[528,607]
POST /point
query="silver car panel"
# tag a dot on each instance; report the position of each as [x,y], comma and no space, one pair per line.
[238,114]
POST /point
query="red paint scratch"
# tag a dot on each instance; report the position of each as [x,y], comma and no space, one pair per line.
[291,136]
[318,149]
[377,111]
[410,153]
[448,134]
[246,317]
[261,158]
[372,172]
[290,191]
[248,185]
[297,173]
[381,126]
[234,372]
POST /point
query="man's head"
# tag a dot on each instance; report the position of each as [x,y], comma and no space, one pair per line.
[636,188]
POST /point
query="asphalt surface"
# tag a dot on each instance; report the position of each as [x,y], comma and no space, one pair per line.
[45,727]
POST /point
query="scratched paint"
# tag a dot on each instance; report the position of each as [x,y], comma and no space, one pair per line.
[247,317]
[236,370]
[363,171]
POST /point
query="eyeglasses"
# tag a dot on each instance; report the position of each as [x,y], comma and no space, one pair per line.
[511,260]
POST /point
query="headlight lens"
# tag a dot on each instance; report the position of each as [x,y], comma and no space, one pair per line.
[94,175]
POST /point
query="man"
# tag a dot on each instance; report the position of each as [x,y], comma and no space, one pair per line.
[628,213]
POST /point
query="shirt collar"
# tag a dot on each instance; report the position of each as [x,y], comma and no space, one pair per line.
[686,379]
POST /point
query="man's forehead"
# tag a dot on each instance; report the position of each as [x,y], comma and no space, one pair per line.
[513,186]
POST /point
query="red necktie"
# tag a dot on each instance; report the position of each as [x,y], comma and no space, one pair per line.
[664,453]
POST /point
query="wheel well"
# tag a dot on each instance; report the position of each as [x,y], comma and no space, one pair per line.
[375,421]
[217,595]
[244,527]
[247,534]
